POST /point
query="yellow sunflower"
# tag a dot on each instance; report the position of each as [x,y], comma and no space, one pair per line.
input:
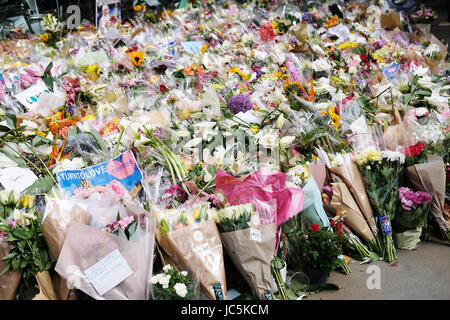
[137,57]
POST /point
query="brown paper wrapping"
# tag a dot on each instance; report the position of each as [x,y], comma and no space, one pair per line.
[435,65]
[180,245]
[353,217]
[430,177]
[391,20]
[319,174]
[9,282]
[56,224]
[54,228]
[252,258]
[355,183]
[45,286]
[301,32]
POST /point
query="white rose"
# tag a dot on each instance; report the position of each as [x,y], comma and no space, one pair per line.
[180,289]
[167,267]
[184,273]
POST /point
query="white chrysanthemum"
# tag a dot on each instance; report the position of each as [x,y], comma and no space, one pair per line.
[393,156]
[167,267]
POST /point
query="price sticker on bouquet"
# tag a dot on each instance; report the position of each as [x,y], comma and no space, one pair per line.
[255,235]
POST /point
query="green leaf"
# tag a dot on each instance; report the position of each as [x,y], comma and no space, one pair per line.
[48,82]
[15,263]
[11,120]
[21,162]
[4,128]
[40,141]
[23,263]
[40,186]
[8,266]
[121,233]
[22,234]
[49,67]
[9,256]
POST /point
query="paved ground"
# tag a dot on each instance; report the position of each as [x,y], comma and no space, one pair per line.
[421,274]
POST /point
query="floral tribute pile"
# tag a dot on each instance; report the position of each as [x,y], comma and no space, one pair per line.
[184,153]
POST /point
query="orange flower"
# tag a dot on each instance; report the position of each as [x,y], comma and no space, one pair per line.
[332,22]
[189,71]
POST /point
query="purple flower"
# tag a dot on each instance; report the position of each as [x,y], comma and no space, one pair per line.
[239,103]
[307,16]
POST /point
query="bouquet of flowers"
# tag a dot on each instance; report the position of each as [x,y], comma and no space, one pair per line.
[250,245]
[423,15]
[191,239]
[409,221]
[172,284]
[430,177]
[381,172]
[29,252]
[127,244]
[348,171]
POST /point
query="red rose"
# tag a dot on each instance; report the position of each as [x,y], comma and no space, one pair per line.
[410,151]
[363,57]
[314,227]
[163,88]
[332,223]
[419,147]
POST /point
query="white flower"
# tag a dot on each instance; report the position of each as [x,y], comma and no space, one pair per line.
[184,273]
[432,48]
[180,289]
[167,267]
[164,281]
[182,133]
[280,121]
[155,279]
[6,194]
[193,142]
[437,100]
[393,156]
[321,65]
[421,71]
[67,164]
[268,139]
[286,141]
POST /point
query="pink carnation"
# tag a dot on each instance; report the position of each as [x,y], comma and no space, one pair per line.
[118,188]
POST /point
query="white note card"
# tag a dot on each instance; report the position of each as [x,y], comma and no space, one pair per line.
[17,178]
[108,272]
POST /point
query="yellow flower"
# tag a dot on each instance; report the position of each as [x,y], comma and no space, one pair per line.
[347,45]
[203,49]
[137,8]
[44,37]
[93,72]
[137,57]
[254,129]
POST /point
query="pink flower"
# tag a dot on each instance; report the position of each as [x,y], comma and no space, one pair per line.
[118,188]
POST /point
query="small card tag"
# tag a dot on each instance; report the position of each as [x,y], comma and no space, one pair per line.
[268,295]
[203,250]
[17,178]
[255,235]
[385,225]
[108,272]
[218,291]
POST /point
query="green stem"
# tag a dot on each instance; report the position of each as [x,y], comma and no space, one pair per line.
[101,146]
[203,189]
[42,162]
[116,152]
[21,156]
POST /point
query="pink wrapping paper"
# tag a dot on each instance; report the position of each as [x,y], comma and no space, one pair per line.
[261,189]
